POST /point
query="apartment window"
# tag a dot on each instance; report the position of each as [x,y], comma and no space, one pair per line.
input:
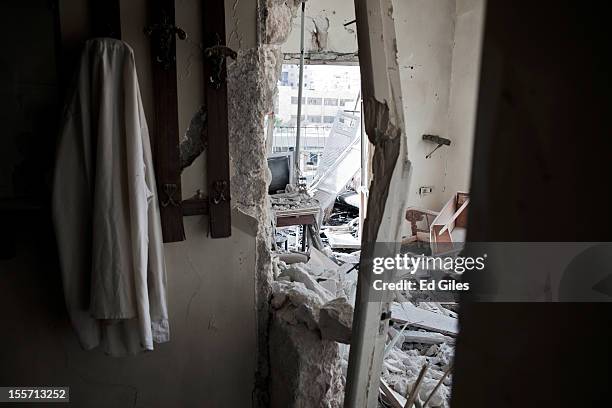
[284,78]
[294,100]
[331,102]
[343,102]
[328,119]
[315,101]
[314,119]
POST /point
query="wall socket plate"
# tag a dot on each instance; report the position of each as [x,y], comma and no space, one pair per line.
[424,190]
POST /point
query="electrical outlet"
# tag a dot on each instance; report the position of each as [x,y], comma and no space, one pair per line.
[424,190]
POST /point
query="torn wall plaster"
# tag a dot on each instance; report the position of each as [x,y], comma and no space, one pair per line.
[318,32]
[235,35]
[278,22]
[192,144]
[325,32]
[386,138]
[249,90]
[251,85]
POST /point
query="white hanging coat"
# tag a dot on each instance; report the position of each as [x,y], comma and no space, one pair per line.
[105,208]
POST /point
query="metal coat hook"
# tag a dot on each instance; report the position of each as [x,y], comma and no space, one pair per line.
[165,33]
[216,55]
[170,199]
[440,141]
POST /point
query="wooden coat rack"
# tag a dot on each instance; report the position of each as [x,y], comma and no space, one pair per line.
[165,134]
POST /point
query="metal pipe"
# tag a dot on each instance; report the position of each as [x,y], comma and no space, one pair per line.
[300,88]
[364,153]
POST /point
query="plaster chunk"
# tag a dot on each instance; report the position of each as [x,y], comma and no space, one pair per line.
[335,320]
[278,23]
[307,370]
[299,274]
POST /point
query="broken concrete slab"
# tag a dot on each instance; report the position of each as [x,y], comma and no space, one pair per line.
[413,336]
[416,317]
[292,257]
[298,274]
[335,320]
[305,370]
[320,260]
[308,316]
[295,292]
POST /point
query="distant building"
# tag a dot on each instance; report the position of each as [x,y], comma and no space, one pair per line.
[327,89]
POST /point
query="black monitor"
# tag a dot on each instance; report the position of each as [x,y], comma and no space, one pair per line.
[281,167]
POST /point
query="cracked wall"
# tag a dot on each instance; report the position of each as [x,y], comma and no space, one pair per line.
[425,31]
[438,48]
[326,37]
[251,86]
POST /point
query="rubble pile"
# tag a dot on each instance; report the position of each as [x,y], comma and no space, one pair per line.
[411,351]
[311,317]
[312,302]
[293,201]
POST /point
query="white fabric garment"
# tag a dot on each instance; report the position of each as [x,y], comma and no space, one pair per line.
[105,208]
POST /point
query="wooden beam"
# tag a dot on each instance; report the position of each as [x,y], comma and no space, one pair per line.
[217,163]
[195,206]
[390,169]
[165,132]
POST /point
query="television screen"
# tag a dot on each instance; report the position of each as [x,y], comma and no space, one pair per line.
[280,167]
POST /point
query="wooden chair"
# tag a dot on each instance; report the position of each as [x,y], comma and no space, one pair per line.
[420,223]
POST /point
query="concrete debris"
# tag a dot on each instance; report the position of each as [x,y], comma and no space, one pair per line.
[319,259]
[352,257]
[335,320]
[306,360]
[413,349]
[298,274]
[306,370]
[293,257]
[294,203]
[312,306]
[424,337]
[418,317]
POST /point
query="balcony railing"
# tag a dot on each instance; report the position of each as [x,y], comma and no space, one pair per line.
[312,138]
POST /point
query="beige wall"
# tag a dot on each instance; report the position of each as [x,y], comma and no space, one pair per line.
[424,31]
[438,52]
[464,91]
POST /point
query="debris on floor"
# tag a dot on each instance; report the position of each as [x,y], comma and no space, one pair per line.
[312,313]
[293,203]
[313,301]
[411,347]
